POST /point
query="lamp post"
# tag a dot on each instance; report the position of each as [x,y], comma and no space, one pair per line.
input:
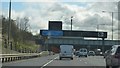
[71,22]
[9,24]
[97,29]
[112,20]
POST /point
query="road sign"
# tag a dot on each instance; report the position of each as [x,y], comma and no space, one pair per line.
[51,33]
[55,25]
[74,33]
[100,34]
[93,34]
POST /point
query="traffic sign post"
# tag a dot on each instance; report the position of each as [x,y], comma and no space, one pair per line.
[103,45]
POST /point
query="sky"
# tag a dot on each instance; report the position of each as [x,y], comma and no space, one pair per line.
[87,15]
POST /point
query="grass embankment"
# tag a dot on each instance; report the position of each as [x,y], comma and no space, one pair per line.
[19,47]
[8,51]
[28,47]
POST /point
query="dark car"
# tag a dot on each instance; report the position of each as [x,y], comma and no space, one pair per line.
[113,59]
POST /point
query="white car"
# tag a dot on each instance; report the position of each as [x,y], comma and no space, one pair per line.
[91,53]
[113,58]
[83,52]
[66,51]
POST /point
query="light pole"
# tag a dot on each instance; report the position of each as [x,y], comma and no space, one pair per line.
[71,22]
[9,24]
[97,29]
[112,20]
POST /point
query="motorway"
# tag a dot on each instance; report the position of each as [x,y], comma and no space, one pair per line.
[53,61]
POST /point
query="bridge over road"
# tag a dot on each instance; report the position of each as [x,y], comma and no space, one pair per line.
[80,42]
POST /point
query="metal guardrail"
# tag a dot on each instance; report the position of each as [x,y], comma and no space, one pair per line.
[14,57]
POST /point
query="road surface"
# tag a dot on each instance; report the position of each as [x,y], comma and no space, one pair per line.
[53,61]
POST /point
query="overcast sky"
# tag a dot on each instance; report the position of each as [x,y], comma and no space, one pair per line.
[86,15]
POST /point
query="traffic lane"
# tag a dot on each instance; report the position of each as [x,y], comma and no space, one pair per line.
[54,62]
[31,62]
[68,62]
[95,61]
[83,62]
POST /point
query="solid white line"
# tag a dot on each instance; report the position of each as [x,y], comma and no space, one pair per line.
[49,62]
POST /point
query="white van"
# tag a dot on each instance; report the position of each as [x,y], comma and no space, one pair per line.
[66,51]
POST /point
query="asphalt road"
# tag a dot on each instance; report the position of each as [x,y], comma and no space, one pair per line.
[53,61]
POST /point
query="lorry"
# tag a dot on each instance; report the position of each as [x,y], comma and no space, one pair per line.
[66,51]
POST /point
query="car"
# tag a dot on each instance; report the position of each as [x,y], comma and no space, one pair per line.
[91,53]
[98,52]
[106,53]
[66,51]
[76,53]
[83,52]
[113,58]
[101,54]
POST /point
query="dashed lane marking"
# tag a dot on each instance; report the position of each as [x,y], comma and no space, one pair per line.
[49,62]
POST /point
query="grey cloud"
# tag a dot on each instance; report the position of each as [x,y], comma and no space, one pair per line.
[91,20]
[56,7]
[59,11]
[104,6]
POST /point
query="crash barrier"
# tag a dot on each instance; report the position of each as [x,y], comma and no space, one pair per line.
[14,57]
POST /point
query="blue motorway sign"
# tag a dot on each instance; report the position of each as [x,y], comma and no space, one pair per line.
[52,33]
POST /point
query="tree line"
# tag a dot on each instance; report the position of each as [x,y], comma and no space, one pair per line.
[18,29]
[19,32]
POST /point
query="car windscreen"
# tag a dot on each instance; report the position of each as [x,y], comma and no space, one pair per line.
[91,52]
[83,50]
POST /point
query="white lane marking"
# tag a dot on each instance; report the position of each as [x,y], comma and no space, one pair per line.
[49,62]
[84,62]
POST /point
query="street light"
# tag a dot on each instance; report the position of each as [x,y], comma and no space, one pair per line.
[112,20]
[9,24]
[71,22]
